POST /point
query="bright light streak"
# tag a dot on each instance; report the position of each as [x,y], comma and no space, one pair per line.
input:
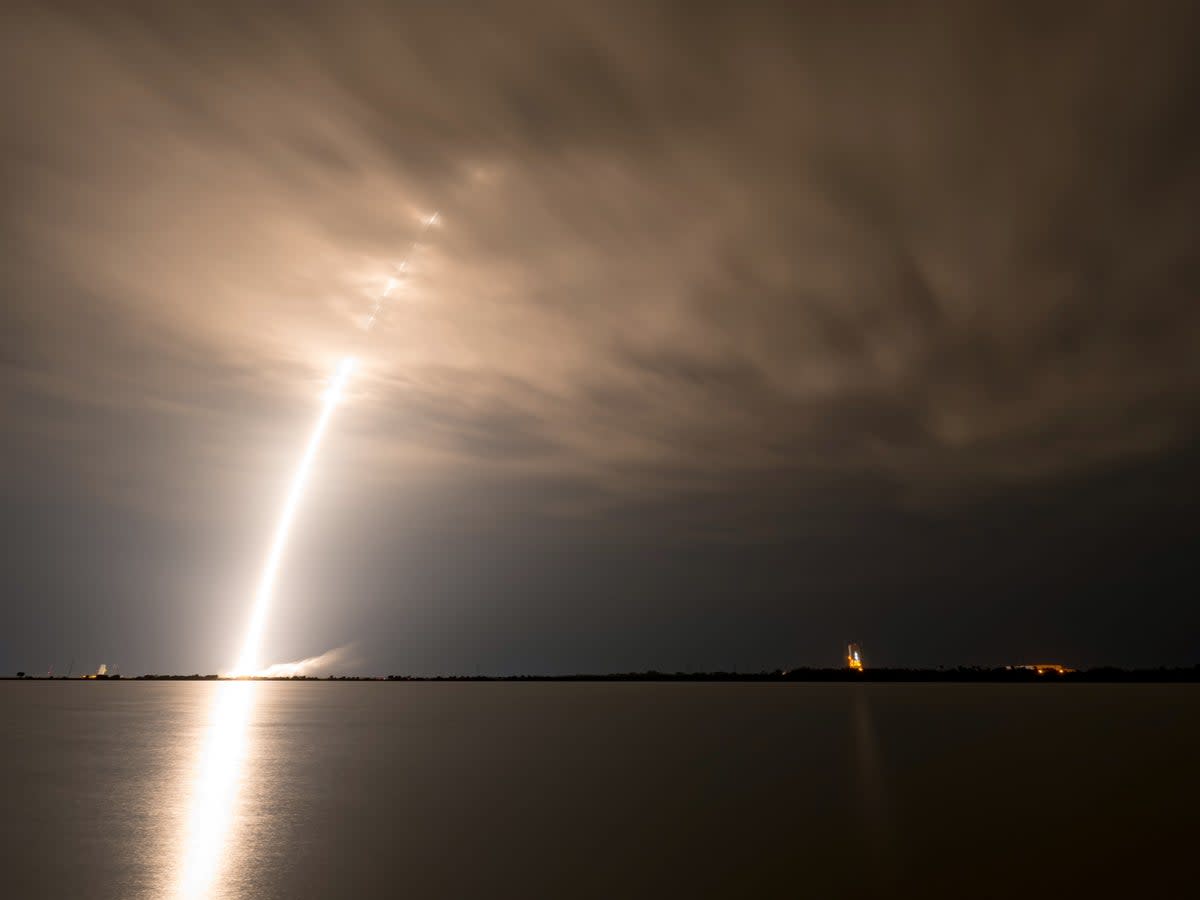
[247,663]
[214,791]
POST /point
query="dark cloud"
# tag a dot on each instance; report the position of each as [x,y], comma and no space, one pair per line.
[702,275]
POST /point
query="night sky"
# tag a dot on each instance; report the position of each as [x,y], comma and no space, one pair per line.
[742,334]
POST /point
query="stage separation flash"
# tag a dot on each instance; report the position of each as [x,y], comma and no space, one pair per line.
[248,662]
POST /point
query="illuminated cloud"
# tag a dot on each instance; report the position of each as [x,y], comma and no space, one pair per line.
[652,273]
[715,273]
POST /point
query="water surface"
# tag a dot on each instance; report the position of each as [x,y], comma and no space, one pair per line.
[296,790]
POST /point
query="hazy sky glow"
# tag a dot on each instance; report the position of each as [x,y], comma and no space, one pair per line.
[740,336]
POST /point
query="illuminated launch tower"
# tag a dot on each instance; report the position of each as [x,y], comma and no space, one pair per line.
[854,660]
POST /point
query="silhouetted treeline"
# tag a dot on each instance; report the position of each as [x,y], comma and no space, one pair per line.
[961,674]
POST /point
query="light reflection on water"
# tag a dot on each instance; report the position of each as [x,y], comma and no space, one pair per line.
[122,791]
[217,777]
[877,838]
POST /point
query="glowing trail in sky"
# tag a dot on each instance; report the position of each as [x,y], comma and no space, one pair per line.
[248,662]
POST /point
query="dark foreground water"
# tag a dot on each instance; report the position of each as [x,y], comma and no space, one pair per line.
[128,790]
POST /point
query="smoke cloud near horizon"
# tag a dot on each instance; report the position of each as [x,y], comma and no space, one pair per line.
[742,332]
[332,662]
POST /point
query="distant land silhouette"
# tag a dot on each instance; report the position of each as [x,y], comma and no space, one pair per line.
[957,675]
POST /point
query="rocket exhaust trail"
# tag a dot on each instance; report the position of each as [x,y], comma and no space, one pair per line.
[401,270]
[248,662]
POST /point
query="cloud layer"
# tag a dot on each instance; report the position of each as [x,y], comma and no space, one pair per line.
[698,272]
[675,248]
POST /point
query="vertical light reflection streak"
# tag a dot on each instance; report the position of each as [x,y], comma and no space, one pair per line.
[222,754]
[873,805]
[214,792]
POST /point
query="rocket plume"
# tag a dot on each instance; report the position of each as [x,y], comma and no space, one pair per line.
[248,662]
[401,270]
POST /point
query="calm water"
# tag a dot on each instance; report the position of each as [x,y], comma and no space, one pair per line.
[128,790]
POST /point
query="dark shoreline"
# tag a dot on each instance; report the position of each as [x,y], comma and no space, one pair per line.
[875,676]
